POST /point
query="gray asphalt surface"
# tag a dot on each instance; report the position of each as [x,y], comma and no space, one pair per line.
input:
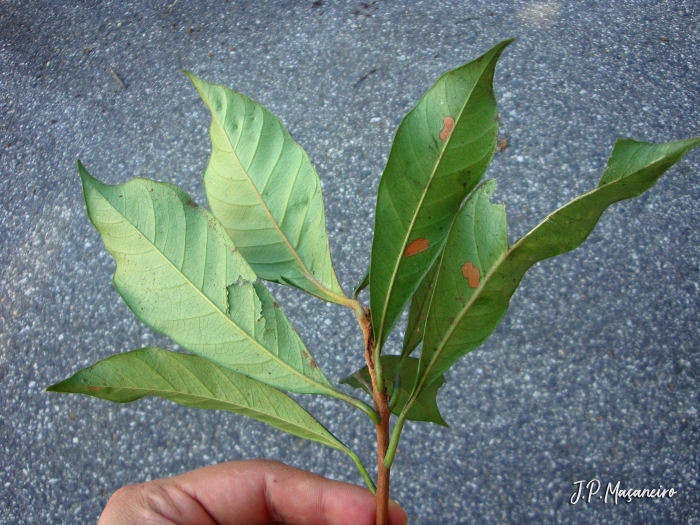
[595,371]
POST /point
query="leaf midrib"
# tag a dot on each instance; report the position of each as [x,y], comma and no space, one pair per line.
[423,312]
[415,215]
[307,273]
[214,306]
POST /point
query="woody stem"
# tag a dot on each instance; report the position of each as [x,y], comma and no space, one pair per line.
[381,404]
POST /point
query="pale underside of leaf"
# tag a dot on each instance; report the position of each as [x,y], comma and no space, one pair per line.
[194,382]
[424,408]
[181,274]
[441,150]
[262,187]
[477,240]
[633,168]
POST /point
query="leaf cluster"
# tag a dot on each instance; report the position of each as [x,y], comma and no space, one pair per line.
[197,275]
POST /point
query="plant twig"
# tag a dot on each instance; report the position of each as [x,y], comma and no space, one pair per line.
[381,404]
[383,472]
[116,77]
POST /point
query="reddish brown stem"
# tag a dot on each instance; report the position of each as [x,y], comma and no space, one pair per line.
[381,404]
[383,473]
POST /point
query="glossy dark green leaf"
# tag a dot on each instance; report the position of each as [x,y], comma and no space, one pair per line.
[181,274]
[262,187]
[479,274]
[441,150]
[195,382]
[424,408]
[418,312]
[363,284]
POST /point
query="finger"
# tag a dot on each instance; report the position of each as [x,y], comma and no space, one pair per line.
[262,492]
[157,502]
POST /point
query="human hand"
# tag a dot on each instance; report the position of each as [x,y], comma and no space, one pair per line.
[255,492]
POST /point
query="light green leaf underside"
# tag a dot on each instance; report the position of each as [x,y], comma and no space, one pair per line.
[261,186]
[418,312]
[633,168]
[428,174]
[181,274]
[424,408]
[194,382]
[478,239]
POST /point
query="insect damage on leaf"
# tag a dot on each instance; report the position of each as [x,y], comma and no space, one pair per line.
[241,281]
[416,246]
[94,388]
[448,124]
[471,274]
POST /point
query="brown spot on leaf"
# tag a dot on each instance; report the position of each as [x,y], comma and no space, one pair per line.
[309,359]
[276,304]
[448,124]
[417,246]
[471,274]
[94,388]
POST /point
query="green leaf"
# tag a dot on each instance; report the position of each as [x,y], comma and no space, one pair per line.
[424,408]
[418,312]
[195,382]
[363,284]
[262,187]
[470,301]
[181,274]
[441,150]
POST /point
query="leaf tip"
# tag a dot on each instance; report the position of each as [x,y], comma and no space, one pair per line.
[693,142]
[57,387]
[500,47]
[191,76]
[84,173]
[197,82]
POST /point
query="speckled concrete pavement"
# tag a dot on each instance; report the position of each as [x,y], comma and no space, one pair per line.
[595,371]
